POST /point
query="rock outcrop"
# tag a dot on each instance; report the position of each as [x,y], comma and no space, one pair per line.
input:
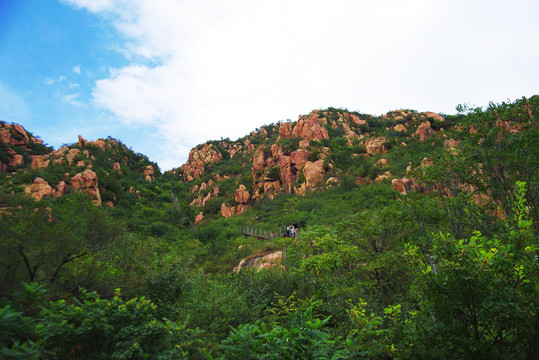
[268,261]
[198,158]
[38,189]
[424,131]
[241,195]
[86,181]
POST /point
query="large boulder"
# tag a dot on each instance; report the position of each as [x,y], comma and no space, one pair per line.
[199,217]
[86,181]
[375,146]
[241,195]
[39,161]
[71,155]
[148,172]
[38,189]
[271,260]
[310,127]
[424,131]
[227,211]
[314,173]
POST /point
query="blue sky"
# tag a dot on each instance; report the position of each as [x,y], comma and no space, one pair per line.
[166,75]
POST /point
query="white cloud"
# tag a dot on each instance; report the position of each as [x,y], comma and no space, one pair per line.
[202,69]
[76,69]
[73,99]
[52,81]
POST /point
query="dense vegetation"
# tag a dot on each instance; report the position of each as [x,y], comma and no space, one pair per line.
[447,271]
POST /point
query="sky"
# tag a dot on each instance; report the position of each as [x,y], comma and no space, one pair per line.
[163,76]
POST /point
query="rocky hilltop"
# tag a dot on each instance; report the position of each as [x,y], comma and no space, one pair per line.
[301,156]
[224,178]
[93,167]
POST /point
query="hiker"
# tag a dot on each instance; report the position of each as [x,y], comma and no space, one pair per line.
[292,231]
[287,234]
[296,227]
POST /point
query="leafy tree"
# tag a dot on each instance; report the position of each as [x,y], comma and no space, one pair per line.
[302,337]
[498,148]
[480,295]
[39,241]
[95,328]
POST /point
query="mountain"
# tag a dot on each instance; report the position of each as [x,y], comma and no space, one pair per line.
[417,238]
[315,152]
[225,176]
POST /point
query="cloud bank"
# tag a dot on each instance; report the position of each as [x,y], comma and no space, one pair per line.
[205,69]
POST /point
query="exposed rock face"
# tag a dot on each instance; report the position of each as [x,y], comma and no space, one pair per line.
[227,211]
[332,181]
[148,172]
[199,217]
[82,141]
[311,127]
[314,173]
[382,162]
[375,146]
[424,131]
[87,181]
[20,131]
[382,177]
[404,185]
[285,130]
[433,115]
[356,120]
[60,189]
[400,128]
[198,158]
[71,155]
[272,260]
[242,195]
[38,189]
[16,160]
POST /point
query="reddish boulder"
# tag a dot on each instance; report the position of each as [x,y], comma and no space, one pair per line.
[38,189]
[310,127]
[424,131]
[39,161]
[375,146]
[148,172]
[82,141]
[314,173]
[242,195]
[199,217]
[87,181]
[227,211]
[434,116]
[400,128]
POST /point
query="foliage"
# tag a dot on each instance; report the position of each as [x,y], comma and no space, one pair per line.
[96,328]
[38,241]
[481,294]
[302,337]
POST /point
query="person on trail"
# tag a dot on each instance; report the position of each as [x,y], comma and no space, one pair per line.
[296,227]
[287,234]
[292,231]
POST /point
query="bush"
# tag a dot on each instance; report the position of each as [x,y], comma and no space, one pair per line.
[96,328]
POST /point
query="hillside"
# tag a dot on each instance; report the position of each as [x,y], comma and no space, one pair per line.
[417,239]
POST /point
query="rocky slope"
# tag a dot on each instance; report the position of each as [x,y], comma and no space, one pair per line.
[93,167]
[296,157]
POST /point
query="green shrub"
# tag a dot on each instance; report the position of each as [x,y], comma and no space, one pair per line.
[95,328]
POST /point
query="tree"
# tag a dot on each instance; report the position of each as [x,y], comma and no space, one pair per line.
[498,148]
[480,295]
[38,241]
